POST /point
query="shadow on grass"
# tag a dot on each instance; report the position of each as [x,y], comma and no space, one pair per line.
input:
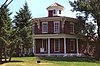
[70,59]
[9,61]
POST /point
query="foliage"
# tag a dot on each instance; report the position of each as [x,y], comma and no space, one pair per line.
[23,23]
[7,33]
[89,7]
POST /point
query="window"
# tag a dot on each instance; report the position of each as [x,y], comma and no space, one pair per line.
[71,27]
[44,45]
[72,45]
[56,45]
[56,27]
[45,27]
[55,11]
[59,11]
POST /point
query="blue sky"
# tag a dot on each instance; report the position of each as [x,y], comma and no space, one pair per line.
[38,7]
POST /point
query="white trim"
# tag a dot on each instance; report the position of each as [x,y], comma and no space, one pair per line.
[62,54]
[58,26]
[48,46]
[33,45]
[57,7]
[64,45]
[36,36]
[58,45]
[38,23]
[77,46]
[56,12]
[42,27]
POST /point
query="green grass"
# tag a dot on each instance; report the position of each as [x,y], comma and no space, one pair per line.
[51,61]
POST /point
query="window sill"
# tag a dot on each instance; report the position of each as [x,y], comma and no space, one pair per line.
[72,33]
[44,32]
[56,51]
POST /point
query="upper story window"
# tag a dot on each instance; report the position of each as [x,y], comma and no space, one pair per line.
[72,28]
[55,11]
[56,27]
[44,27]
[59,11]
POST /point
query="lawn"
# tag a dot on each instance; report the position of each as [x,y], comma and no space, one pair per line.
[51,61]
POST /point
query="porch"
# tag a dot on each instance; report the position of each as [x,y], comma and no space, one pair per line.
[66,45]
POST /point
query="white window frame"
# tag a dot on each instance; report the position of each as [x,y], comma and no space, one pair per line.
[56,12]
[46,44]
[57,27]
[43,29]
[58,45]
[72,28]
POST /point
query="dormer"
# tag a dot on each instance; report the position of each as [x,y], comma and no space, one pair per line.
[55,10]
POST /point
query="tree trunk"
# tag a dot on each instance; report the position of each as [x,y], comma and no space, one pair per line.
[10,54]
[98,43]
[0,54]
[5,55]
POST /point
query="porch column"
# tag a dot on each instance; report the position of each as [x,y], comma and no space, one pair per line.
[64,46]
[33,46]
[77,47]
[48,46]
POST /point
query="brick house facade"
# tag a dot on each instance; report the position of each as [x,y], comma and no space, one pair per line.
[56,34]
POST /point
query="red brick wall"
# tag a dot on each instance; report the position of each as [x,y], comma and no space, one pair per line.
[66,27]
[50,13]
[50,27]
[69,46]
[82,46]
[38,45]
[52,45]
[40,31]
[36,28]
[62,45]
[61,27]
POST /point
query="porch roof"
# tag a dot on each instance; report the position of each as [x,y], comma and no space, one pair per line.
[39,36]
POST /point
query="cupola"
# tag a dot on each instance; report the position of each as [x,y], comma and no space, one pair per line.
[55,10]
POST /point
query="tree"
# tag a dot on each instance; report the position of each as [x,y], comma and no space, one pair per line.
[23,23]
[89,7]
[5,27]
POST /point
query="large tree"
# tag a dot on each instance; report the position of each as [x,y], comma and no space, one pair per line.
[23,23]
[5,29]
[89,7]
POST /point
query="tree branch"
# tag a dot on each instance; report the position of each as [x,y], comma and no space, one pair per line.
[5,4]
[9,3]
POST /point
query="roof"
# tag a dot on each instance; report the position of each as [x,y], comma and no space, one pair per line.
[56,18]
[55,4]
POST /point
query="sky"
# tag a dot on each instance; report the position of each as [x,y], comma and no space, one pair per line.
[38,7]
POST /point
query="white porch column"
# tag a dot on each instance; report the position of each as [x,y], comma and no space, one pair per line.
[33,46]
[77,47]
[64,46]
[48,46]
